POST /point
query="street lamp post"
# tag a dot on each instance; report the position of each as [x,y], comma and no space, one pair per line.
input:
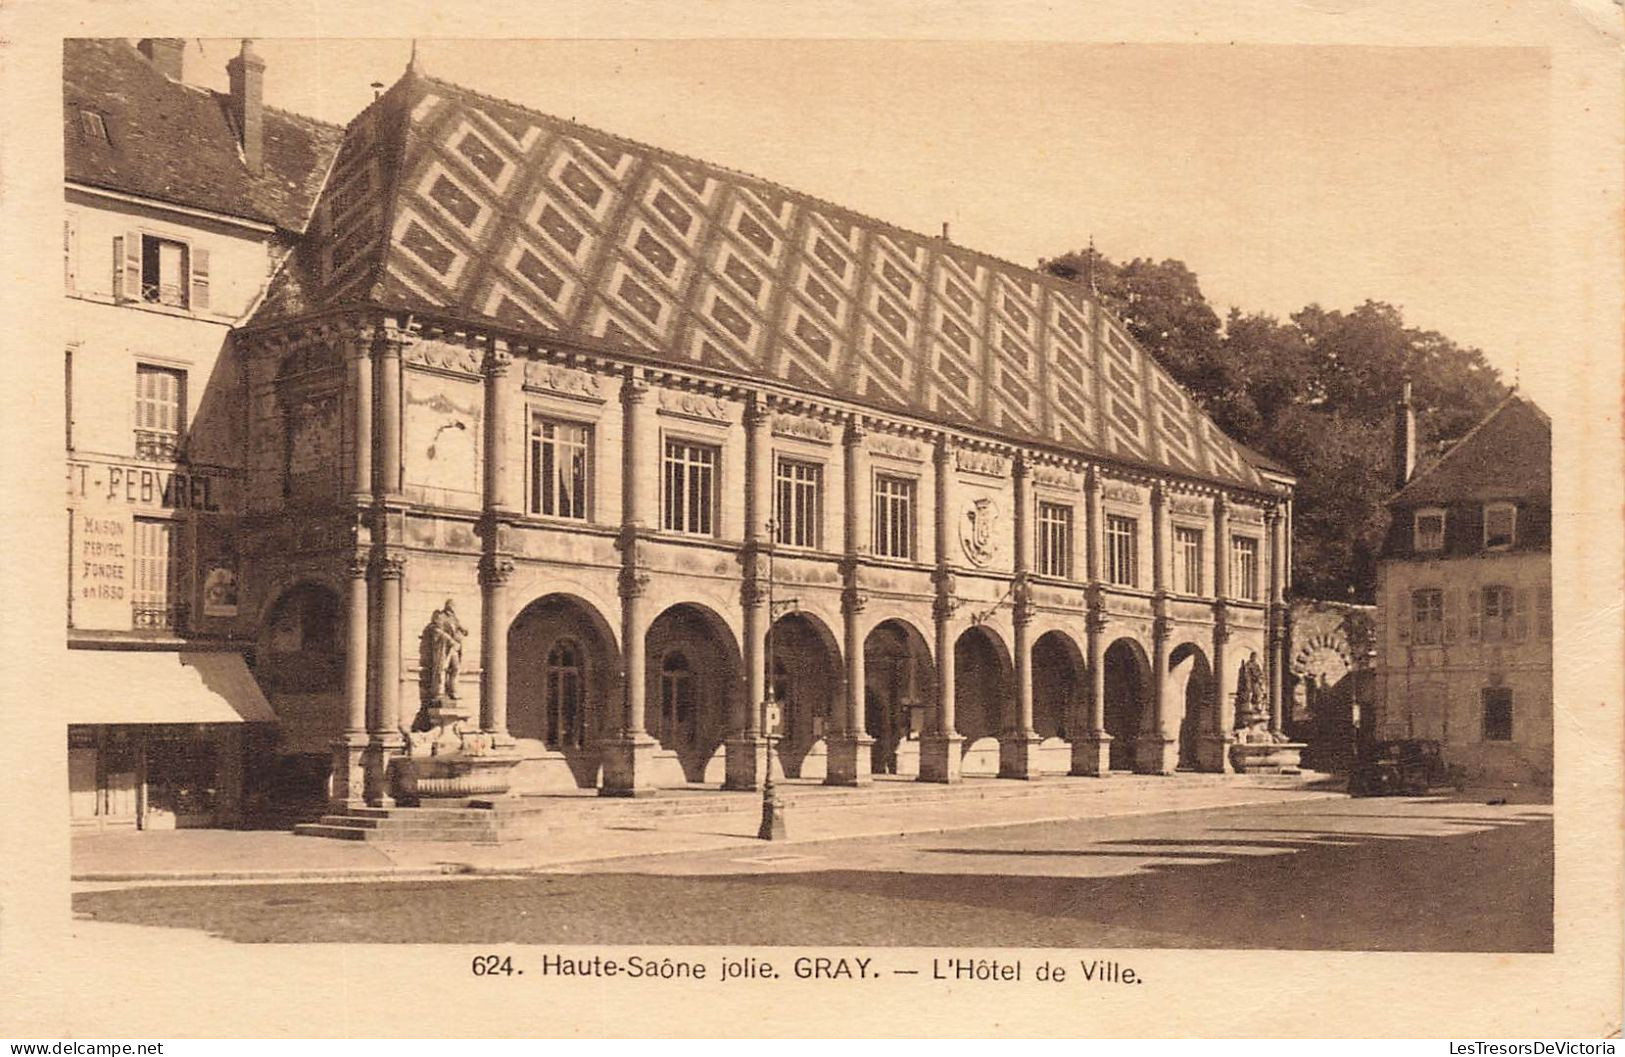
[772,827]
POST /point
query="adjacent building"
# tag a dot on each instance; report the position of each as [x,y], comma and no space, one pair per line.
[179,203]
[1464,639]
[652,441]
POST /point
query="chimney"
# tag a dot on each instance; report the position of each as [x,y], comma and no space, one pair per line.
[944,231]
[247,73]
[1404,439]
[165,54]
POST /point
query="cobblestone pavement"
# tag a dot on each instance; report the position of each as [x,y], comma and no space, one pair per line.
[1304,874]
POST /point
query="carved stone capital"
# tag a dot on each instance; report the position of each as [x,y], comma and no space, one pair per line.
[855,432]
[495,570]
[853,601]
[944,607]
[1021,465]
[754,591]
[1095,621]
[1161,629]
[1022,609]
[632,582]
[356,567]
[634,391]
[757,414]
[390,565]
[498,358]
[391,341]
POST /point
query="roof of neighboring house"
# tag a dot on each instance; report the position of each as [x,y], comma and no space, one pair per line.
[1508,455]
[175,142]
[446,202]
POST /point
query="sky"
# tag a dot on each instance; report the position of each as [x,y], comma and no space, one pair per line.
[1281,175]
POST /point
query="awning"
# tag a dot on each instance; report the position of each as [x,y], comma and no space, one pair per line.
[149,686]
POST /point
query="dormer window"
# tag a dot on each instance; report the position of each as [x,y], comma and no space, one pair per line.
[92,126]
[1428,531]
[1500,526]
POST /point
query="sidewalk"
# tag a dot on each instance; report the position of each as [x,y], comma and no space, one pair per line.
[259,855]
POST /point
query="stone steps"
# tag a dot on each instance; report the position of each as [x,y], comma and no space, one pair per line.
[518,817]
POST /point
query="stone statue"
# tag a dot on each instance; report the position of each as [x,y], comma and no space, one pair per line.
[445,635]
[1250,703]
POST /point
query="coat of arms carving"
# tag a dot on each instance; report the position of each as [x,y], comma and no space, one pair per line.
[976,531]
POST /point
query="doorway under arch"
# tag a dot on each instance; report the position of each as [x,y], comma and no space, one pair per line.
[900,686]
[564,685]
[1058,668]
[1190,681]
[1128,699]
[806,679]
[693,691]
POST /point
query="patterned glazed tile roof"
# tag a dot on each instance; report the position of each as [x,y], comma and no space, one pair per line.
[1508,455]
[175,143]
[445,200]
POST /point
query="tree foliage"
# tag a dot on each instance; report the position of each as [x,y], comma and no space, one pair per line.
[1316,392]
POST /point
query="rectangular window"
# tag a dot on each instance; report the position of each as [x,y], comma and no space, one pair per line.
[798,503]
[1122,550]
[1427,617]
[1497,713]
[160,411]
[1055,540]
[165,275]
[156,602]
[1188,560]
[1498,614]
[691,488]
[1244,568]
[1500,526]
[894,516]
[559,461]
[1428,531]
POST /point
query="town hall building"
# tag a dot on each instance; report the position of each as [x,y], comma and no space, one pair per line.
[602,447]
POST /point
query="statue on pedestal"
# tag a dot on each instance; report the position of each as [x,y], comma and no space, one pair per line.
[443,638]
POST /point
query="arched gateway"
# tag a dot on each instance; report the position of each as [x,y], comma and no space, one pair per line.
[563,686]
[900,684]
[1128,699]
[693,689]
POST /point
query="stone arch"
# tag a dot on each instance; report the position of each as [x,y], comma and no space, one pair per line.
[1128,698]
[984,683]
[694,689]
[1190,688]
[299,661]
[1059,683]
[564,680]
[900,688]
[806,677]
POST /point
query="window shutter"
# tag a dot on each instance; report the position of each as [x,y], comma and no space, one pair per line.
[1403,615]
[200,279]
[1473,601]
[118,267]
[1545,611]
[70,254]
[1451,601]
[1525,603]
[131,272]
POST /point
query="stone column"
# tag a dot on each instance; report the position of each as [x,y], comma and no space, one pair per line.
[941,747]
[349,751]
[495,571]
[848,761]
[628,753]
[359,361]
[388,568]
[1091,748]
[1018,745]
[498,428]
[496,568]
[1213,750]
[387,457]
[1277,622]
[746,758]
[1155,750]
